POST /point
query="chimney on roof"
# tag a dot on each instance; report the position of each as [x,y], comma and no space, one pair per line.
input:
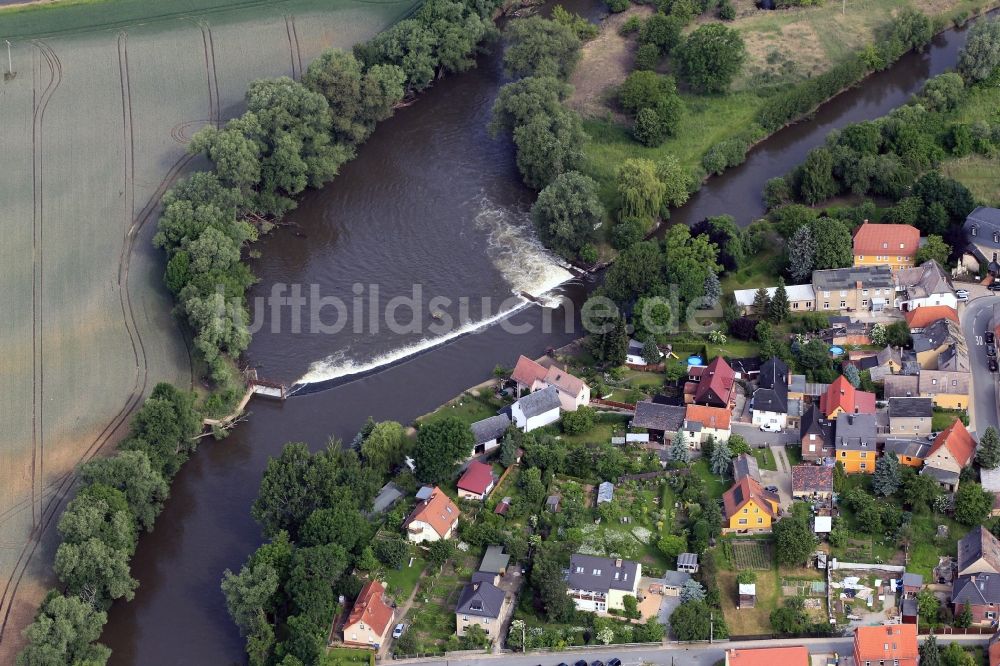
[850,419]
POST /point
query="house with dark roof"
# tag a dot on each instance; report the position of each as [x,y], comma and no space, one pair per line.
[949,390]
[495,561]
[748,507]
[489,432]
[481,603]
[660,420]
[978,552]
[855,442]
[476,482]
[910,451]
[770,399]
[600,584]
[536,410]
[812,482]
[982,237]
[941,346]
[981,591]
[910,417]
[858,288]
[716,383]
[745,466]
[952,451]
[816,434]
[926,285]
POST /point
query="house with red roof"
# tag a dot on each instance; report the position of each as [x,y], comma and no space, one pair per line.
[748,507]
[527,374]
[892,244]
[700,422]
[712,385]
[477,481]
[894,644]
[952,451]
[434,518]
[788,655]
[533,376]
[842,398]
[920,318]
[370,618]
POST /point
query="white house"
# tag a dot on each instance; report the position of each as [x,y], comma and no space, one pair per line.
[488,432]
[600,584]
[434,518]
[633,353]
[536,410]
[927,284]
[770,400]
[801,298]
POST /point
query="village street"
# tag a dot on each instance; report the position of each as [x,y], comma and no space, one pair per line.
[975,318]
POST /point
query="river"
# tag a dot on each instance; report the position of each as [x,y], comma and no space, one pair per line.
[431,199]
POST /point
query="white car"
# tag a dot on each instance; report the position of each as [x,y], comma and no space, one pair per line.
[770,427]
[962,294]
[398,631]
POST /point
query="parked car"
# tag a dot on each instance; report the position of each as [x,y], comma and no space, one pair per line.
[989,338]
[770,427]
[615,662]
[582,662]
[995,285]
[398,631]
[771,489]
[962,294]
[991,350]
[597,662]
[992,364]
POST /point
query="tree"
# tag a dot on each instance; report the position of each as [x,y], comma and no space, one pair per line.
[930,655]
[834,245]
[687,261]
[358,99]
[391,552]
[935,249]
[441,444]
[64,631]
[678,452]
[877,335]
[441,551]
[955,655]
[341,524]
[509,446]
[288,491]
[631,605]
[383,448]
[981,55]
[761,302]
[722,459]
[131,473]
[250,594]
[540,47]
[919,490]
[567,212]
[972,504]
[713,289]
[578,422]
[793,540]
[648,129]
[988,453]
[746,577]
[711,57]
[928,606]
[672,545]
[640,190]
[886,479]
[99,512]
[548,145]
[790,619]
[651,353]
[692,621]
[815,177]
[676,182]
[662,31]
[964,619]
[897,334]
[313,573]
[520,101]
[737,445]
[779,309]
[692,590]
[633,275]
[853,375]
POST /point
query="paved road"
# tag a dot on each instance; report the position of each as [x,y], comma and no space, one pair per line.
[756,438]
[976,317]
[701,654]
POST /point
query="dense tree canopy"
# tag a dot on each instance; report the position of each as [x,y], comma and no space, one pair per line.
[567,212]
[711,57]
[540,47]
[981,55]
[441,444]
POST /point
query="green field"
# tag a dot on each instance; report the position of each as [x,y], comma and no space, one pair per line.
[106,96]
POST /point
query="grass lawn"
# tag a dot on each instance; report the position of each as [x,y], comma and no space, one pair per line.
[794,454]
[760,271]
[765,459]
[602,431]
[980,174]
[942,418]
[400,582]
[348,657]
[467,407]
[645,381]
[713,484]
[750,621]
[926,547]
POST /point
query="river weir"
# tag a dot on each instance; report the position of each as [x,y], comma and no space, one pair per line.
[430,200]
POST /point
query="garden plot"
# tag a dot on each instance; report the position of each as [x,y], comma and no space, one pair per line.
[96,124]
[751,555]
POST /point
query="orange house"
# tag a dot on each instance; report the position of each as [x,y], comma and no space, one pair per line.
[892,244]
[370,618]
[747,506]
[842,398]
[894,644]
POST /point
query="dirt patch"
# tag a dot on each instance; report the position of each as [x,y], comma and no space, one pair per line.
[604,63]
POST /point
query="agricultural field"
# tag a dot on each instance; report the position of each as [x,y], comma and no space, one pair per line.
[103,100]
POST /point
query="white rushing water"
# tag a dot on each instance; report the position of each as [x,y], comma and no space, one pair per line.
[515,251]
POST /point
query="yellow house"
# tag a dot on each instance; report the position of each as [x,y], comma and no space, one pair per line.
[749,507]
[892,244]
[855,443]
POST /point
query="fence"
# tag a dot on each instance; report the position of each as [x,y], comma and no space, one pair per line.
[613,403]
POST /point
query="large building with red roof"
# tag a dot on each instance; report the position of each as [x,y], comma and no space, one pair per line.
[789,655]
[715,384]
[371,617]
[891,644]
[893,244]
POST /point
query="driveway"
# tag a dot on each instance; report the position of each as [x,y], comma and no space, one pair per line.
[976,317]
[781,478]
[758,439]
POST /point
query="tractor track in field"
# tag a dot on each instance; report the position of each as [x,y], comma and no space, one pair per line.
[293,47]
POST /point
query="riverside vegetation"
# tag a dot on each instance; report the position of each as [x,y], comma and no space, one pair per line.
[293,136]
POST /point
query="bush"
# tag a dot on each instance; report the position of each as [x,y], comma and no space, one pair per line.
[711,57]
[727,153]
[662,31]
[648,129]
[727,11]
[579,422]
[743,328]
[632,24]
[627,232]
[647,57]
[981,55]
[617,6]
[776,192]
[567,211]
